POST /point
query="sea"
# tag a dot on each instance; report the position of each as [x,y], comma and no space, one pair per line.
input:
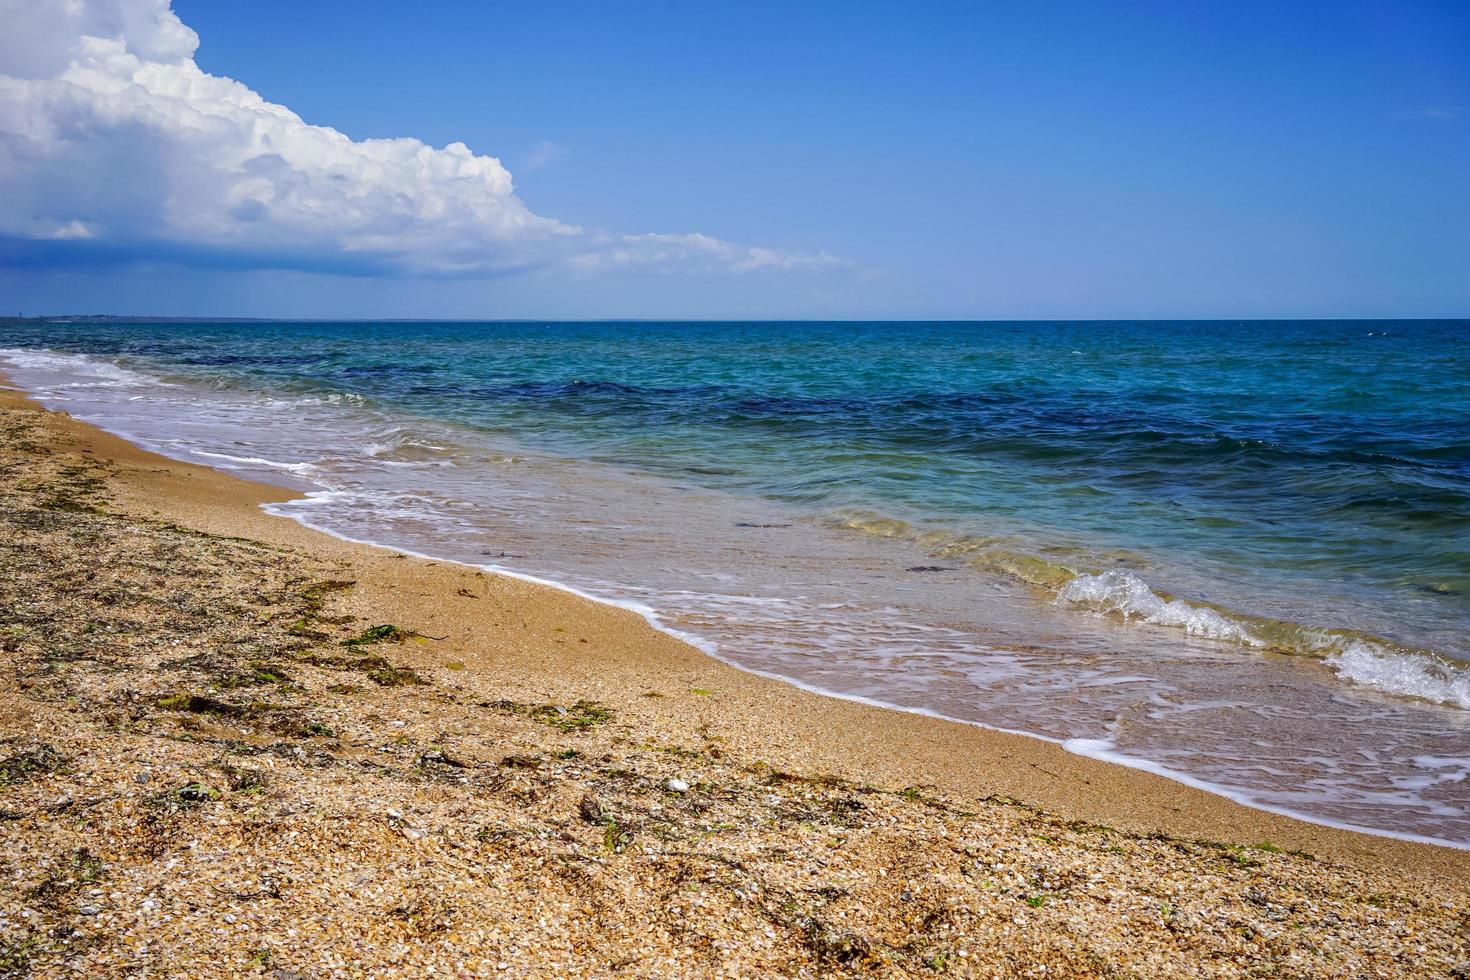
[1233,553]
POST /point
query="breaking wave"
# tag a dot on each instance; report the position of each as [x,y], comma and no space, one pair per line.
[1129,596]
[1357,657]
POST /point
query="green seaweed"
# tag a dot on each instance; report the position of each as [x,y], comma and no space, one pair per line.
[203,704]
[581,717]
[382,633]
[391,676]
[257,674]
[23,765]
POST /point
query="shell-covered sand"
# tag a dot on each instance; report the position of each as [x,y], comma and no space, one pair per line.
[278,755]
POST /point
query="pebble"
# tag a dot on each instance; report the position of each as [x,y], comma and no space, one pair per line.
[677,786]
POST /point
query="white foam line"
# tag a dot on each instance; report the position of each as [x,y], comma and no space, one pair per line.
[1104,751]
[256,461]
[1098,749]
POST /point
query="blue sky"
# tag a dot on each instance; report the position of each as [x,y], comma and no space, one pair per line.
[863,160]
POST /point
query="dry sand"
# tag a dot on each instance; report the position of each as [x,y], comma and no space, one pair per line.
[199,778]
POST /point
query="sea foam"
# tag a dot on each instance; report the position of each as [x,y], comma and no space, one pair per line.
[1129,596]
[1415,674]
[1419,675]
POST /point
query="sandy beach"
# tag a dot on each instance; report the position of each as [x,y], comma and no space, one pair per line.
[236,746]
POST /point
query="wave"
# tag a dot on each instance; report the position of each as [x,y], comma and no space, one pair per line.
[301,468]
[1129,596]
[1357,657]
[98,373]
[1419,675]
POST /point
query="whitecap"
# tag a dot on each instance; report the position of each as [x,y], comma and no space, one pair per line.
[1418,675]
[1129,596]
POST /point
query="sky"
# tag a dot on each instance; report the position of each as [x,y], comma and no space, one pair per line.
[735,160]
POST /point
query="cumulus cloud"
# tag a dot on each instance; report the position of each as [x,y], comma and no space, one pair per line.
[113,139]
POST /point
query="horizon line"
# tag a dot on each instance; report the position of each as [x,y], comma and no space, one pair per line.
[159,318]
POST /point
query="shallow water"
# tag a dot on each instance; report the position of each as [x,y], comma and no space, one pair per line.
[1237,553]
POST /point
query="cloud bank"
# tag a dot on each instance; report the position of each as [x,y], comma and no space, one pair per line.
[113,143]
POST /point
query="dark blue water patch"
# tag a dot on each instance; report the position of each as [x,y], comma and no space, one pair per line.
[390,369]
[980,423]
[246,360]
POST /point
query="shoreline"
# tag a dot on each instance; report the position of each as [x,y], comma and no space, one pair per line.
[1156,802]
[1098,748]
[231,745]
[1427,812]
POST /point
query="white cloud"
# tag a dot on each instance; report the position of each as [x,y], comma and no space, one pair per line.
[544,153]
[110,133]
[697,251]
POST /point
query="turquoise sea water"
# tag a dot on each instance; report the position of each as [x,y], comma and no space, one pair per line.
[1170,513]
